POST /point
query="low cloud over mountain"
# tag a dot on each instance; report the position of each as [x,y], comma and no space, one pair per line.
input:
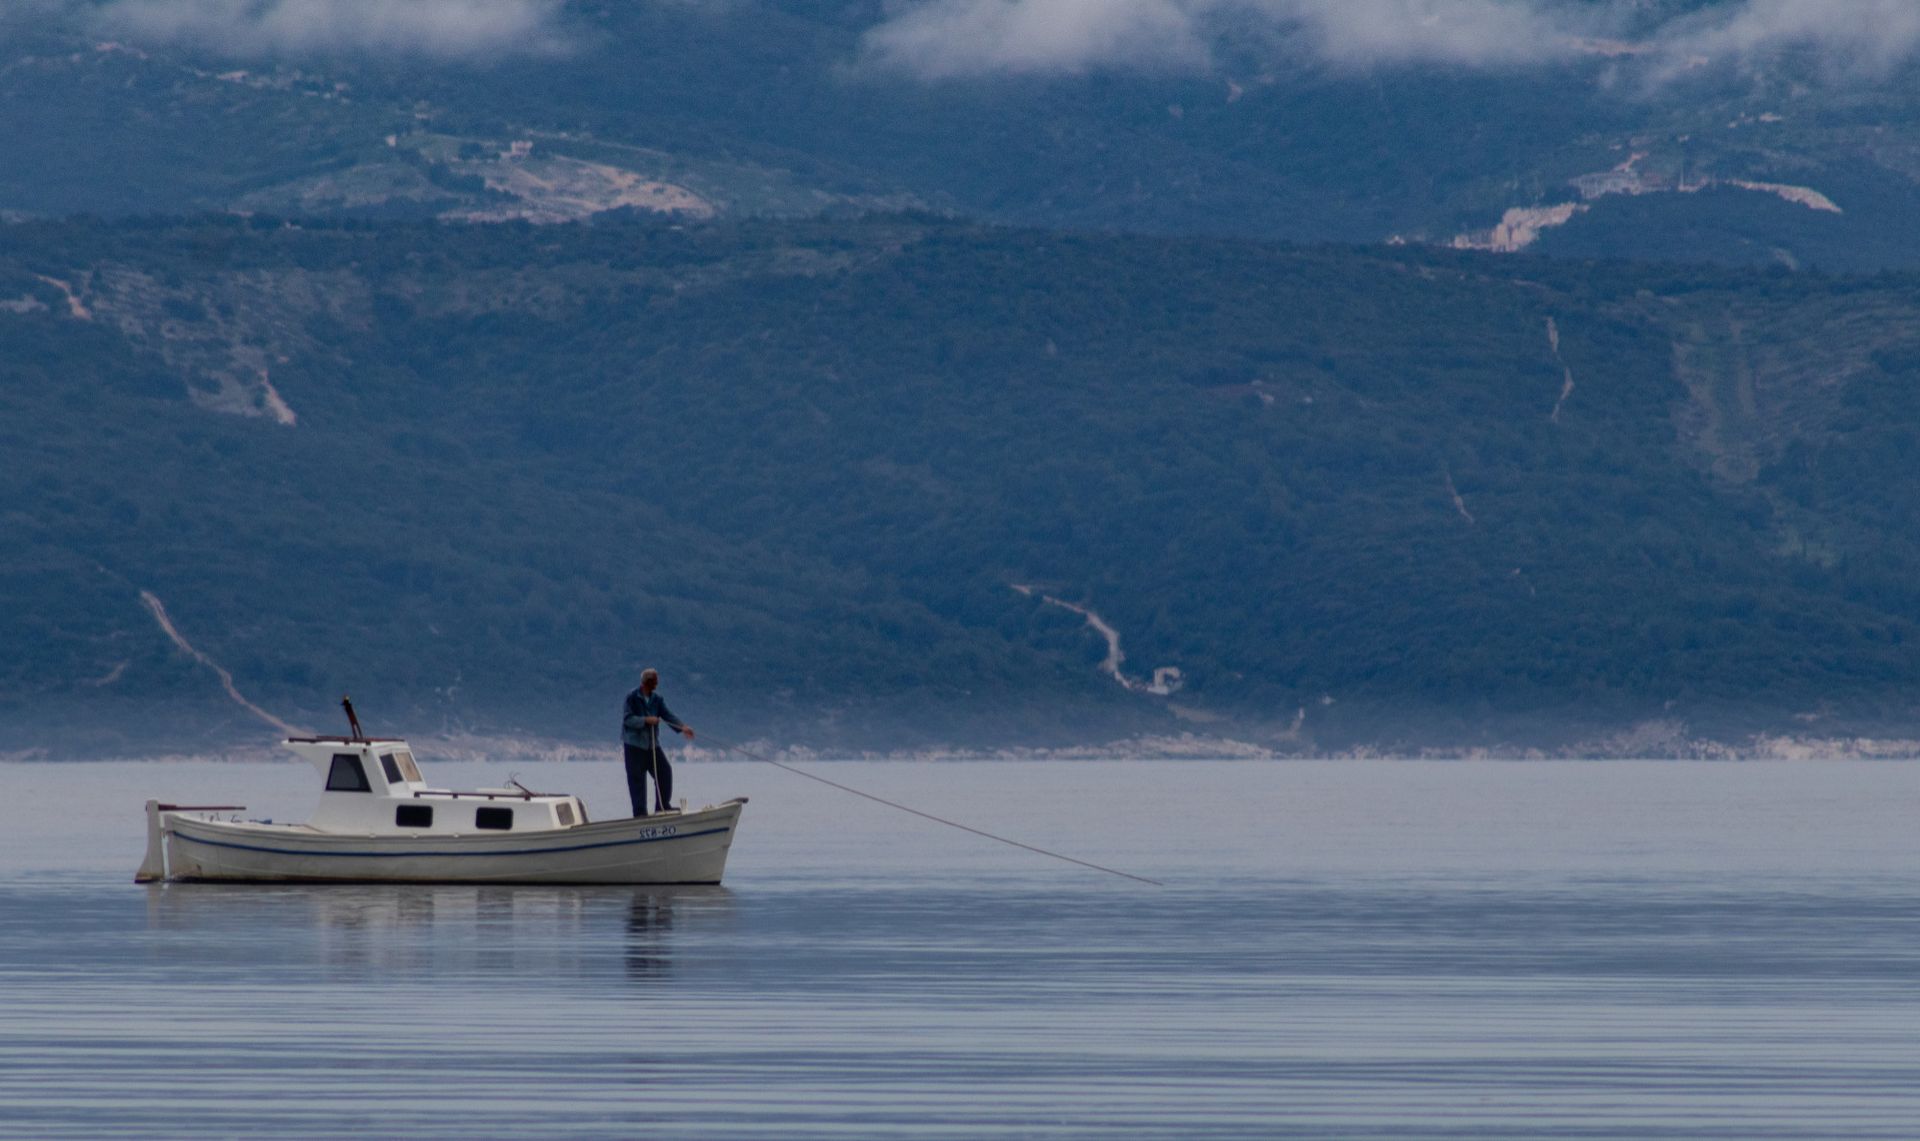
[948,38]
[939,39]
[1854,38]
[442,29]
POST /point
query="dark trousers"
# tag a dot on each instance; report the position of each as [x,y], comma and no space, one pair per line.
[641,760]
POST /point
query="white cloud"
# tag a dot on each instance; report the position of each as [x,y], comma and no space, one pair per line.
[1475,33]
[947,38]
[1849,37]
[445,29]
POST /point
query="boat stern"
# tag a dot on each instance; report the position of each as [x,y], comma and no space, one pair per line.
[157,865]
[154,867]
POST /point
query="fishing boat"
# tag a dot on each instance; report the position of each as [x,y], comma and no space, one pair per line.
[378,821]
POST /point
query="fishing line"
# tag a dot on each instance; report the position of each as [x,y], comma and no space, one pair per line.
[752,755]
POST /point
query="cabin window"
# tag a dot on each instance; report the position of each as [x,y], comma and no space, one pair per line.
[499,819]
[413,815]
[565,813]
[407,768]
[388,766]
[346,775]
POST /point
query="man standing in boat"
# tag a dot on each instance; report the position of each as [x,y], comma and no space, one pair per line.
[640,738]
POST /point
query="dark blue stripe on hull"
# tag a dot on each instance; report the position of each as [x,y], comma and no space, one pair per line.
[406,855]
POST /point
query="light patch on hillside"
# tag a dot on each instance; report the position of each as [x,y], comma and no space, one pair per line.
[1521,226]
[1802,195]
[554,188]
[224,341]
[1627,179]
[1566,384]
[1714,361]
[363,185]
[76,308]
[275,406]
[1453,494]
[159,611]
[1518,228]
[119,669]
[1166,679]
[292,82]
[1758,382]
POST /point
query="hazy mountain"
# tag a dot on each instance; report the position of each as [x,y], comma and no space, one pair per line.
[888,368]
[1735,131]
[830,474]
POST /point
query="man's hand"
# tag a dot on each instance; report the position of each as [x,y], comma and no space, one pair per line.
[650,721]
[687,731]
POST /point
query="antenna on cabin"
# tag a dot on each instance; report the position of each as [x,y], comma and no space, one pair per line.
[359,734]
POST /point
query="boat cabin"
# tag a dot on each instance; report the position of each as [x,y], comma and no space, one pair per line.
[372,785]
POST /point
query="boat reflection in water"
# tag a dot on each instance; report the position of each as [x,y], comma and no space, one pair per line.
[649,935]
[447,930]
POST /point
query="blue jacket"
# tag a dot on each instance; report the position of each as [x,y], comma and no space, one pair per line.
[633,728]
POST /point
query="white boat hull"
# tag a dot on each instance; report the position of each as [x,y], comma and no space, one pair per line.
[677,848]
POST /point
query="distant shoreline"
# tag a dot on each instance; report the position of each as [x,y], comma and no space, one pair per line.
[1654,741]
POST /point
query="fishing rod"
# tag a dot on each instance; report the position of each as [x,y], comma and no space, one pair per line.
[751,754]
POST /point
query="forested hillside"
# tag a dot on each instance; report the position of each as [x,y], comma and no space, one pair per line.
[478,475]
[1678,129]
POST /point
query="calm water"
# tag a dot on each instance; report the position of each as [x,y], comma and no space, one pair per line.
[1341,950]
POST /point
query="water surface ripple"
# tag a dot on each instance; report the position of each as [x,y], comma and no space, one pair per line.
[1367,951]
